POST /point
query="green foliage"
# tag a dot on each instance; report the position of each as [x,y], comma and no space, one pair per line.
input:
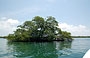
[38,29]
[66,36]
[11,37]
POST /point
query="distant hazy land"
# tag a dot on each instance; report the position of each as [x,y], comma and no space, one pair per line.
[3,36]
[80,36]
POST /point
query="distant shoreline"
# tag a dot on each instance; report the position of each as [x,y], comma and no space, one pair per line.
[80,36]
[3,36]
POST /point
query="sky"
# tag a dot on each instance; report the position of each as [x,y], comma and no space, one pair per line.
[73,15]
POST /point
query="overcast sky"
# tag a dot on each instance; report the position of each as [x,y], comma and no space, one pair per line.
[72,15]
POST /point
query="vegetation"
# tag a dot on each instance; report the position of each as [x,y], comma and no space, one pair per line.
[39,29]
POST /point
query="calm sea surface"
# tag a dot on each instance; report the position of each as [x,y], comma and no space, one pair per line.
[75,49]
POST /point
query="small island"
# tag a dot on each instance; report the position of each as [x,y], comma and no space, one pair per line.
[39,29]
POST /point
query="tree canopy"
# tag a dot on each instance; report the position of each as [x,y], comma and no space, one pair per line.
[39,29]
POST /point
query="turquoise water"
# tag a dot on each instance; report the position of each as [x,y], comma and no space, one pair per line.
[75,49]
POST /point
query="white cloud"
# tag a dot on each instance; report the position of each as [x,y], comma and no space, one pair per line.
[12,21]
[7,26]
[75,30]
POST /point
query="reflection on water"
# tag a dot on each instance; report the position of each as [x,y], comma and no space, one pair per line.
[63,48]
[75,49]
[39,50]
